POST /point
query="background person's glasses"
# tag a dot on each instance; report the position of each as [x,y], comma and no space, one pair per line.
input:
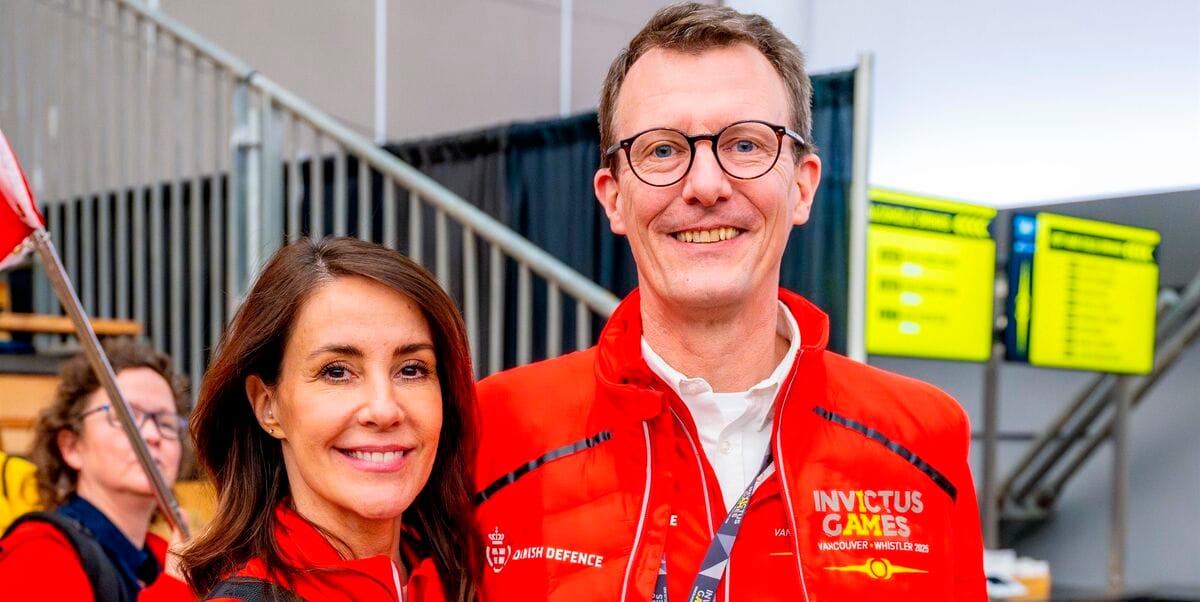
[745,150]
[170,425]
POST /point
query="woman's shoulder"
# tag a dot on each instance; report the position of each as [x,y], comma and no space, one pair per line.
[37,561]
[35,537]
[252,582]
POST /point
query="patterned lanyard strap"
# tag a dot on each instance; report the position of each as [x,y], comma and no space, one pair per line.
[704,588]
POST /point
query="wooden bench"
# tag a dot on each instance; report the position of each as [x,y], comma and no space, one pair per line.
[46,324]
[22,396]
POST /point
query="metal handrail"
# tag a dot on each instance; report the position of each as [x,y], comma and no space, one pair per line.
[542,263]
[1187,334]
[1176,329]
[177,168]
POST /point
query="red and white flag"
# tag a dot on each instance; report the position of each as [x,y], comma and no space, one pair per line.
[19,216]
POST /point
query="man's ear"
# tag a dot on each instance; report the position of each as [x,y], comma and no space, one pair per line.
[68,446]
[262,403]
[608,192]
[807,178]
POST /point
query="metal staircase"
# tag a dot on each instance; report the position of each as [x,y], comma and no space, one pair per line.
[170,170]
[1027,496]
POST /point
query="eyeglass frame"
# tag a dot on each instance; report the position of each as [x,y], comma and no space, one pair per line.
[151,416]
[780,132]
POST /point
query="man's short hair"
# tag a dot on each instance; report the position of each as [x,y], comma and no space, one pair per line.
[694,28]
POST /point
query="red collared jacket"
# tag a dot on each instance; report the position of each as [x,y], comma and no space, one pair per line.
[38,563]
[591,469]
[334,579]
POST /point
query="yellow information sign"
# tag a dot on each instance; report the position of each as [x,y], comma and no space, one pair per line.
[931,267]
[1082,294]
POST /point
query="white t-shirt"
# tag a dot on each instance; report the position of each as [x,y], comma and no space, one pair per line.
[734,428]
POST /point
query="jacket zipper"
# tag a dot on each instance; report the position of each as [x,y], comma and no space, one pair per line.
[700,465]
[783,481]
[401,590]
[637,536]
[704,485]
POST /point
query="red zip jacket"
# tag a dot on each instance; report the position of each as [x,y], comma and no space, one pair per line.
[591,468]
[38,563]
[335,579]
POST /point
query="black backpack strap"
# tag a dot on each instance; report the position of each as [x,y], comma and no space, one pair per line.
[106,583]
[252,589]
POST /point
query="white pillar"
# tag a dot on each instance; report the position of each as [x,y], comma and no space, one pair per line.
[564,57]
[380,71]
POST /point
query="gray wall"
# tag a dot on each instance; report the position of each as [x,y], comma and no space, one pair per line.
[451,64]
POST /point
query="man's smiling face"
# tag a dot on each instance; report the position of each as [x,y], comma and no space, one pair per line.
[709,240]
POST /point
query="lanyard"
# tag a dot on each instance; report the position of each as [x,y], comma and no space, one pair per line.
[716,560]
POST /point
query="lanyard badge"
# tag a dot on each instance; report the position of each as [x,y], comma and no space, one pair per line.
[716,560]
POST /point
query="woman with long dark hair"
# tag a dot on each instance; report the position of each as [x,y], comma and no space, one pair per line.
[337,420]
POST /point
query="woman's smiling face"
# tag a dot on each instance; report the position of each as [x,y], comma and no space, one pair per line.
[357,403]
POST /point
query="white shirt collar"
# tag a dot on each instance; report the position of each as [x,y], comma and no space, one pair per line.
[760,397]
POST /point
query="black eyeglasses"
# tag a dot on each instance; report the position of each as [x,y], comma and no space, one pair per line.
[745,150]
[170,425]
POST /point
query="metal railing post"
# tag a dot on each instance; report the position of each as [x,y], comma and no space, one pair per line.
[991,407]
[243,229]
[269,236]
[1120,493]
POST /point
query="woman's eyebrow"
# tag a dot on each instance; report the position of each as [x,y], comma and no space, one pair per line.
[352,351]
[413,348]
[337,348]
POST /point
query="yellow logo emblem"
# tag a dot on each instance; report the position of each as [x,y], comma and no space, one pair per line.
[877,568]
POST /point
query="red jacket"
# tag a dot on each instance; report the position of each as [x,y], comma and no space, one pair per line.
[359,580]
[591,467]
[38,563]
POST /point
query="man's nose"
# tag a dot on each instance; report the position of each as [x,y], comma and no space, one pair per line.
[706,183]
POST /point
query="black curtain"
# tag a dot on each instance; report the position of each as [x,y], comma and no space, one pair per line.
[550,168]
[817,261]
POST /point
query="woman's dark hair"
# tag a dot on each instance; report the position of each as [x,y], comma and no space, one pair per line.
[76,383]
[247,465]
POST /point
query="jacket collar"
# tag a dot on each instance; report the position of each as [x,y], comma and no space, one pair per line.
[622,371]
[302,545]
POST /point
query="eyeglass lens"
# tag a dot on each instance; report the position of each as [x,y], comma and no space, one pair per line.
[744,150]
[169,424]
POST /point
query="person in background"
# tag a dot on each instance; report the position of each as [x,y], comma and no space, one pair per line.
[728,454]
[95,543]
[337,420]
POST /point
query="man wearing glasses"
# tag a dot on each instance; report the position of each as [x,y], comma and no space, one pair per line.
[709,447]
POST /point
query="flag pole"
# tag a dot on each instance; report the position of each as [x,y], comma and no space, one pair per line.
[103,369]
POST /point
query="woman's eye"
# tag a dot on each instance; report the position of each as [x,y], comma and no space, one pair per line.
[335,372]
[413,371]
